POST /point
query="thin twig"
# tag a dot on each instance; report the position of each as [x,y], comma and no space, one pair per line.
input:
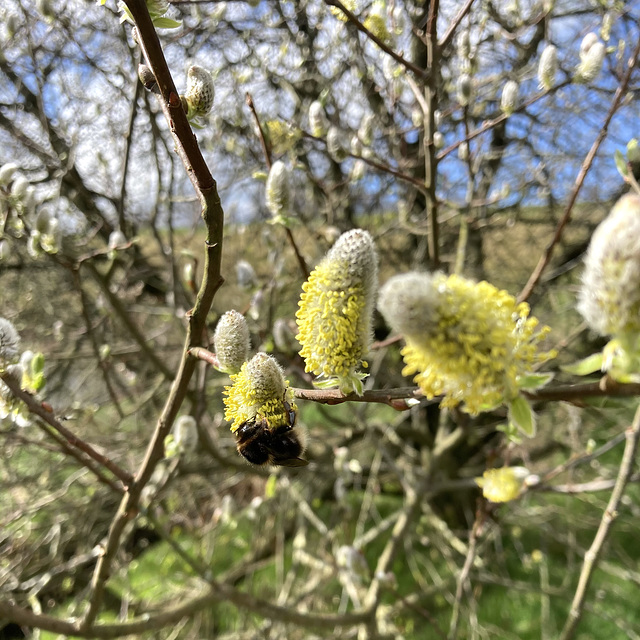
[450,32]
[46,414]
[610,513]
[422,73]
[584,169]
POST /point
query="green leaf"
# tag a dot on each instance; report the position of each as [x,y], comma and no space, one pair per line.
[584,367]
[522,416]
[166,23]
[270,487]
[534,381]
[621,164]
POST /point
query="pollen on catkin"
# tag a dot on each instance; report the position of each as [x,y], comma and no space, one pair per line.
[257,391]
[504,484]
[609,298]
[335,308]
[466,341]
[231,341]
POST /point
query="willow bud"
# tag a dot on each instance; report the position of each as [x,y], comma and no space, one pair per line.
[148,79]
[334,144]
[200,91]
[318,122]
[6,173]
[278,193]
[463,151]
[548,67]
[591,63]
[509,98]
[185,434]
[231,341]
[365,132]
[464,89]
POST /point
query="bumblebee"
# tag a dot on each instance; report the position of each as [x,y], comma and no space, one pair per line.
[260,444]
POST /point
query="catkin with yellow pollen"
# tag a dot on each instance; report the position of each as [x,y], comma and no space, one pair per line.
[334,315]
[257,391]
[466,341]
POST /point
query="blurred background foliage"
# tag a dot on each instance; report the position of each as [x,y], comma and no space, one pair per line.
[110,319]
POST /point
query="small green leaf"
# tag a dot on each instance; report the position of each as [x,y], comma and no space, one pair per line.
[621,164]
[166,23]
[534,381]
[270,487]
[584,367]
[522,416]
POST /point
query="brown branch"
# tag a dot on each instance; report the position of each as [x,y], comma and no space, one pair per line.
[213,216]
[584,169]
[421,73]
[45,413]
[267,157]
[450,32]
[490,124]
[263,141]
[609,515]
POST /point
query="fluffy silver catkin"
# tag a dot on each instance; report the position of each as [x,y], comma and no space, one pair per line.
[231,341]
[548,67]
[609,298]
[200,91]
[278,191]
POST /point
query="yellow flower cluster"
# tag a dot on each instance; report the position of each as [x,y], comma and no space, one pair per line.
[334,315]
[257,391]
[467,341]
[502,485]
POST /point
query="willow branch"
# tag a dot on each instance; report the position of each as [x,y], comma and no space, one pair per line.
[584,169]
[421,73]
[213,216]
[45,413]
[610,513]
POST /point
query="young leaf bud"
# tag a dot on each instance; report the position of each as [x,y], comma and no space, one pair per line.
[335,309]
[467,341]
[231,341]
[318,122]
[9,342]
[609,298]
[548,67]
[509,98]
[591,63]
[278,193]
[147,79]
[200,91]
